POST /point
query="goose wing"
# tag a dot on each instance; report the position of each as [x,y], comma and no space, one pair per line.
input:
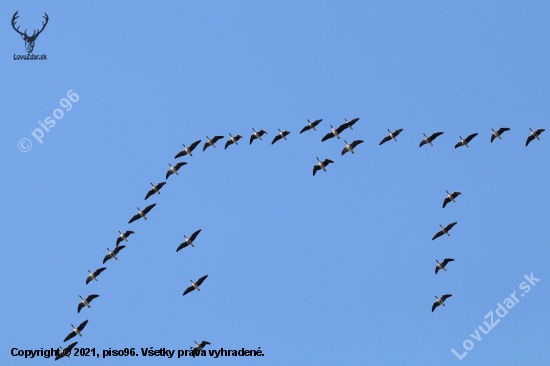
[91,297]
[82,325]
[493,137]
[434,136]
[529,139]
[397,132]
[308,127]
[345,150]
[149,194]
[160,185]
[328,136]
[356,142]
[206,144]
[80,306]
[327,162]
[204,343]
[149,208]
[97,272]
[342,127]
[252,137]
[456,194]
[238,137]
[134,218]
[194,145]
[316,122]
[315,169]
[262,132]
[539,131]
[71,335]
[107,257]
[469,138]
[459,144]
[385,139]
[169,173]
[70,347]
[444,297]
[503,129]
[201,280]
[229,142]
[216,138]
[277,138]
[182,245]
[118,249]
[119,239]
[439,233]
[128,233]
[447,260]
[423,142]
[286,133]
[179,165]
[180,154]
[88,279]
[188,290]
[450,226]
[437,269]
[436,304]
[445,201]
[194,235]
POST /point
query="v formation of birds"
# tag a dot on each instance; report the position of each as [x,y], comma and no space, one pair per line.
[320,165]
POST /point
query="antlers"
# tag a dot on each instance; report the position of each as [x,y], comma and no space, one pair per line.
[35,34]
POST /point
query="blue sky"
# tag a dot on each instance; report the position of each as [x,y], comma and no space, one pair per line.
[332,269]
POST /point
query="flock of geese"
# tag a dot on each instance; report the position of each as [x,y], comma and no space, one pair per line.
[321,165]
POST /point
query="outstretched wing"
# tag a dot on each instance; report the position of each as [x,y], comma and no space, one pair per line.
[459,144]
[286,133]
[70,347]
[149,194]
[149,208]
[434,136]
[180,154]
[423,142]
[328,136]
[447,200]
[216,138]
[182,245]
[539,131]
[194,235]
[445,297]
[134,218]
[345,150]
[82,325]
[179,165]
[529,139]
[469,138]
[80,306]
[96,273]
[118,249]
[262,132]
[385,139]
[119,239]
[356,142]
[315,169]
[169,173]
[204,343]
[188,290]
[229,142]
[493,137]
[456,194]
[436,304]
[439,233]
[201,280]
[206,144]
[446,260]
[397,132]
[327,162]
[342,127]
[252,137]
[194,145]
[308,127]
[437,269]
[277,138]
[107,257]
[450,226]
[71,335]
[503,129]
[91,297]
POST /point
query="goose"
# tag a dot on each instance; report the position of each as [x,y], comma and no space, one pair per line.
[534,135]
[440,301]
[428,140]
[321,165]
[444,230]
[174,169]
[349,124]
[281,135]
[156,189]
[188,241]
[123,236]
[350,147]
[311,125]
[233,140]
[200,346]
[392,135]
[187,150]
[464,142]
[86,301]
[450,197]
[211,142]
[113,253]
[335,132]
[256,135]
[76,331]
[442,265]
[142,213]
[496,134]
[195,285]
[66,351]
[93,275]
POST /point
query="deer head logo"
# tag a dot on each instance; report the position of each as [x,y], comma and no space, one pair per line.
[29,40]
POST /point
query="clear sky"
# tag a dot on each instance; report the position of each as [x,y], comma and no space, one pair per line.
[325,270]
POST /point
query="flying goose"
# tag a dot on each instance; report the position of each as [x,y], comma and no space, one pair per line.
[256,135]
[211,142]
[534,135]
[335,132]
[350,147]
[496,134]
[233,140]
[442,265]
[440,301]
[195,285]
[321,165]
[428,140]
[113,253]
[86,301]
[281,135]
[200,346]
[76,331]
[174,169]
[188,241]
[444,230]
[464,142]
[66,351]
[156,189]
[187,150]
[123,236]
[311,125]
[142,213]
[392,135]
[349,124]
[93,276]
[450,197]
